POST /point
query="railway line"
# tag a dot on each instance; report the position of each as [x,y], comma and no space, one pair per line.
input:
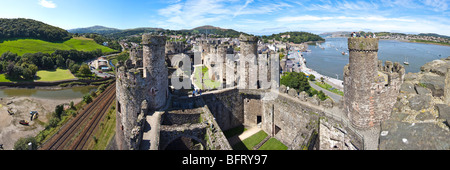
[76,133]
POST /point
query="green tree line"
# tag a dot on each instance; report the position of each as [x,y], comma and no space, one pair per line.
[26,66]
[295,37]
[28,28]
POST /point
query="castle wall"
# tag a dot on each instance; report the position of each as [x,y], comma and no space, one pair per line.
[287,118]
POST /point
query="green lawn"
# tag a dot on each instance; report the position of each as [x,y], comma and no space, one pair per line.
[329,88]
[250,142]
[22,46]
[54,75]
[3,78]
[273,144]
[210,84]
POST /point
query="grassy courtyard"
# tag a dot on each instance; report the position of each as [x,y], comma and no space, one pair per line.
[250,142]
[273,144]
[54,75]
[208,84]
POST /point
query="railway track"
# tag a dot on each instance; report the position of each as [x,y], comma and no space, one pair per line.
[75,134]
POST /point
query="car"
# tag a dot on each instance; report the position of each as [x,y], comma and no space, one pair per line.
[24,122]
[100,71]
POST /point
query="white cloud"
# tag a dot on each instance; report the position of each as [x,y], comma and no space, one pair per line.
[47,4]
[437,5]
[316,18]
[193,13]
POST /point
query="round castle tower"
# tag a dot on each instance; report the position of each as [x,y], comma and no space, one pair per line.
[141,88]
[154,53]
[249,53]
[370,90]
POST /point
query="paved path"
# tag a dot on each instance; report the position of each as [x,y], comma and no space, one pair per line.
[151,133]
[336,98]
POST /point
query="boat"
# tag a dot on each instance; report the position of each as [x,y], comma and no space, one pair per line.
[24,122]
[343,53]
[406,61]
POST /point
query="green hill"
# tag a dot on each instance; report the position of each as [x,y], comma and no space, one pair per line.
[22,46]
[28,28]
[295,37]
[95,29]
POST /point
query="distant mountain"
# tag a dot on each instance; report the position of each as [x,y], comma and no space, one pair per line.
[95,29]
[118,33]
[28,28]
[433,35]
[336,34]
[208,29]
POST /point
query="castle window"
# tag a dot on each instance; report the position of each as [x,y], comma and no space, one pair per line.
[258,119]
[118,107]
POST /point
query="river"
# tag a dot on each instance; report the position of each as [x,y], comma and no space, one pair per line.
[62,94]
[329,61]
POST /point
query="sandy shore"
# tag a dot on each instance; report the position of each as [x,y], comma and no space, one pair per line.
[336,83]
[11,130]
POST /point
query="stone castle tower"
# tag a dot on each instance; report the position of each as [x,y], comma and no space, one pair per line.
[249,54]
[141,88]
[370,89]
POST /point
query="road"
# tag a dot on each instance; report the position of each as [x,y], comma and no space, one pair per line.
[336,98]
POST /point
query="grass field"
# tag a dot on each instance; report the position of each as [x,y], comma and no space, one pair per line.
[55,75]
[3,78]
[329,88]
[22,46]
[209,84]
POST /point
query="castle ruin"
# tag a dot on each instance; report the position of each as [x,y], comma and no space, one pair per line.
[296,119]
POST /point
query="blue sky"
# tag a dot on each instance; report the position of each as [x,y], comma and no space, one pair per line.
[259,17]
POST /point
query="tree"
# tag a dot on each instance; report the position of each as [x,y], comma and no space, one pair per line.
[27,74]
[60,62]
[87,99]
[22,143]
[322,96]
[312,78]
[59,110]
[295,80]
[74,68]
[84,70]
[47,63]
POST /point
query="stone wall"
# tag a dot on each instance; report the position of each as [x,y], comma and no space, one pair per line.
[288,118]
[191,118]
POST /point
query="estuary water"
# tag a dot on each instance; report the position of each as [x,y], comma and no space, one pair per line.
[328,60]
[70,93]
